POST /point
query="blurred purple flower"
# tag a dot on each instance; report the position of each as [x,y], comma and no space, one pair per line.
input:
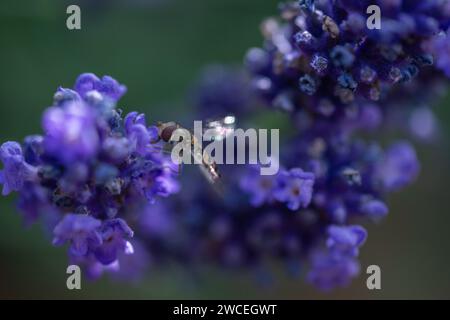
[295,188]
[260,188]
[71,128]
[89,172]
[81,231]
[374,209]
[345,241]
[106,86]
[16,171]
[399,166]
[115,234]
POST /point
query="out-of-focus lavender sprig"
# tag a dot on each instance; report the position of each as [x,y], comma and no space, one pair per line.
[288,217]
[89,172]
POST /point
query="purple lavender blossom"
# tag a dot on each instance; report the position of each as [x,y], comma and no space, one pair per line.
[81,231]
[92,268]
[137,132]
[345,241]
[16,171]
[260,188]
[89,172]
[295,188]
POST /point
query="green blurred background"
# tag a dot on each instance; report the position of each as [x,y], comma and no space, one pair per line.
[157,48]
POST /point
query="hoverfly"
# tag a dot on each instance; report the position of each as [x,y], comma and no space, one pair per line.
[221,129]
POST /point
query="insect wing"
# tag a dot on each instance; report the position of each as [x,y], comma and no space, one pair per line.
[221,129]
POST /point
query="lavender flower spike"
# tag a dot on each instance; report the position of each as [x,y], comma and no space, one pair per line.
[399,167]
[89,173]
[345,241]
[106,86]
[71,128]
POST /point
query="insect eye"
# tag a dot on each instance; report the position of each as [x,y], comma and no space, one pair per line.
[166,133]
